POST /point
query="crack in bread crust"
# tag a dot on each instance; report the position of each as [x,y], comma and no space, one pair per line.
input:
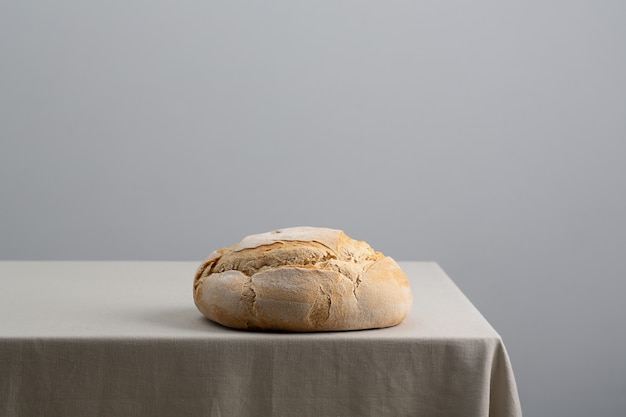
[249,295]
[321,308]
[353,259]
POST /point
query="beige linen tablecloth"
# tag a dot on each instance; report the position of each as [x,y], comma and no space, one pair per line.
[125,339]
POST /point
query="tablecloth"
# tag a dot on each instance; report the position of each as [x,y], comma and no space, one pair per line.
[125,339]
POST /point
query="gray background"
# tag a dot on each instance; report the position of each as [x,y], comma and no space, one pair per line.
[486,136]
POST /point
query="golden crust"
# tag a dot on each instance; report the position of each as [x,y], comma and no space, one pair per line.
[302,279]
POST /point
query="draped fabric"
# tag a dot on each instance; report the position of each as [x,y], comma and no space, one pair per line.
[124,339]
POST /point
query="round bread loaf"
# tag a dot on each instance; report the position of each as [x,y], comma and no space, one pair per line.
[302,279]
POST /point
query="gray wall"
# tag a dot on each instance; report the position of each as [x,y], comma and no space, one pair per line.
[486,136]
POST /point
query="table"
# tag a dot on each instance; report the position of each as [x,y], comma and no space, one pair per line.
[125,339]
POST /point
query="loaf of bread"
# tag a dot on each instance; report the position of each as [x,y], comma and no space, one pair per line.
[302,279]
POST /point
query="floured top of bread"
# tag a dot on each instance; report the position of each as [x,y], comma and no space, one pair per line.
[327,237]
[311,247]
